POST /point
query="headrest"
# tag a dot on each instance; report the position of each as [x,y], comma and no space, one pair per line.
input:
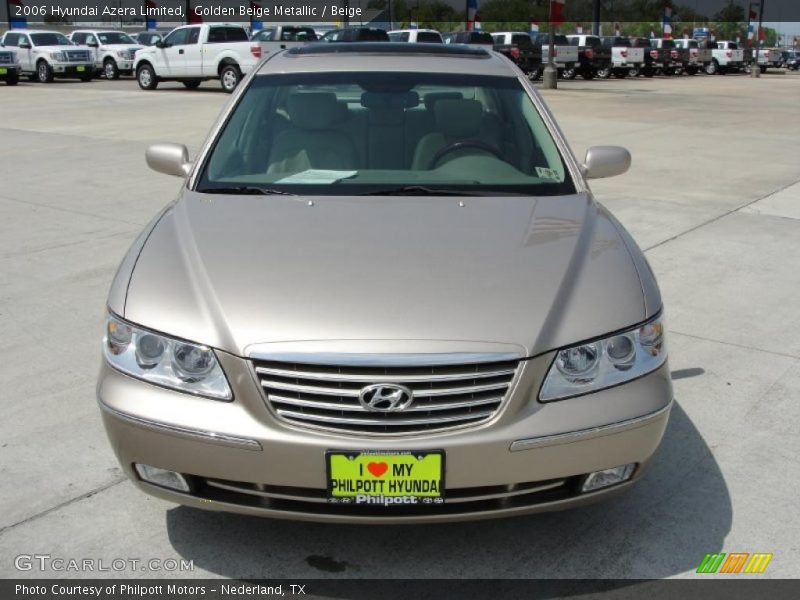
[314,110]
[432,98]
[458,118]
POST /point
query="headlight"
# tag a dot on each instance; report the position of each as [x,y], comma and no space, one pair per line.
[164,361]
[604,363]
[58,56]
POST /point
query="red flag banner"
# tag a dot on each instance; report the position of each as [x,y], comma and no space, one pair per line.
[557,12]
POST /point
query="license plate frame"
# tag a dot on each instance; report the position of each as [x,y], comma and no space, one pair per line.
[342,476]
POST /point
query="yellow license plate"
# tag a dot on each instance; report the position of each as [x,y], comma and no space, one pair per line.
[81,69]
[3,71]
[386,478]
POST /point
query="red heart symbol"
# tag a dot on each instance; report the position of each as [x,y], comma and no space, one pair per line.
[377,469]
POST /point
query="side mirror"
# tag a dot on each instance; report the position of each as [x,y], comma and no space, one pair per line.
[162,44]
[605,161]
[92,43]
[25,45]
[170,159]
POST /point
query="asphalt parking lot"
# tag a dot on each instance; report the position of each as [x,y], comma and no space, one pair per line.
[713,197]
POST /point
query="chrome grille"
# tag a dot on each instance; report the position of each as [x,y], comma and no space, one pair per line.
[327,396]
[6,58]
[77,56]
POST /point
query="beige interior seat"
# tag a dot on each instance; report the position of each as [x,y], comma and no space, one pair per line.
[456,119]
[312,139]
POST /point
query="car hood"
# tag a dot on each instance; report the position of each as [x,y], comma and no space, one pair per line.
[133,47]
[60,48]
[521,273]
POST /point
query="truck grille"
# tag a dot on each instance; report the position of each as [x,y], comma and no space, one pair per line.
[327,396]
[6,58]
[81,56]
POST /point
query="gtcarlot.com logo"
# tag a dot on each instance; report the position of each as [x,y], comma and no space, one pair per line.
[47,562]
[735,563]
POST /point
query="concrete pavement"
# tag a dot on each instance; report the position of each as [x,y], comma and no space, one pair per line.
[713,197]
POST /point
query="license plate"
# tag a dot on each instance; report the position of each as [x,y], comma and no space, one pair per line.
[3,71]
[81,69]
[386,478]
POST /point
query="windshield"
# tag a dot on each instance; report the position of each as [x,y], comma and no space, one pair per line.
[115,37]
[349,133]
[50,39]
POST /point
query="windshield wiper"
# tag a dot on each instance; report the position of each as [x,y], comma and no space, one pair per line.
[421,190]
[245,189]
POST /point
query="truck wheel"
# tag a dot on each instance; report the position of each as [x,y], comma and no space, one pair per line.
[110,69]
[634,72]
[570,73]
[535,75]
[229,77]
[12,78]
[44,72]
[192,84]
[712,67]
[146,77]
[604,73]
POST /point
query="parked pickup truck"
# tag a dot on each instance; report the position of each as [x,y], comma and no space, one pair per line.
[519,48]
[625,59]
[195,53]
[668,56]
[727,57]
[279,37]
[416,36]
[45,55]
[566,55]
[112,51]
[472,38]
[648,67]
[769,58]
[593,58]
[693,57]
[9,67]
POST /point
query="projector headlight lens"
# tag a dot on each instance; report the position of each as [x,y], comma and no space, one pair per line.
[164,361]
[605,363]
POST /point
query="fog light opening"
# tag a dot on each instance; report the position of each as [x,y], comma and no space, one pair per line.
[607,477]
[163,478]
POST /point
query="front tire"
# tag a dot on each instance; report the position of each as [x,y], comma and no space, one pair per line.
[110,69]
[12,78]
[146,77]
[604,73]
[44,72]
[229,77]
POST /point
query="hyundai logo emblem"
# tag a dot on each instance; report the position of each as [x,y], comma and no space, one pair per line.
[386,397]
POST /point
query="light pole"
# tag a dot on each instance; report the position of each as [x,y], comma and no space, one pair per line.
[755,70]
[550,75]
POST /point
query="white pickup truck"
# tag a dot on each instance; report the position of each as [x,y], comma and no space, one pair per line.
[112,51]
[565,55]
[694,57]
[769,58]
[195,53]
[44,55]
[727,56]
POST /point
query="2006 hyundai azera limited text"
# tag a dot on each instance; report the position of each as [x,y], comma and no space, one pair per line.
[385,294]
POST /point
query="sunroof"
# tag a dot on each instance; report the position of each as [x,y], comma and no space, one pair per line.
[403,48]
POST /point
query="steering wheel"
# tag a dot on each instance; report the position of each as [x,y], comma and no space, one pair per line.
[461,145]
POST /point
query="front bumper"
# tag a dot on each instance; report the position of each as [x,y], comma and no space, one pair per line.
[531,457]
[10,71]
[72,69]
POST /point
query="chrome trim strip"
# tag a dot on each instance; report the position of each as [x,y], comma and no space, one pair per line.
[367,378]
[194,434]
[585,434]
[354,393]
[385,360]
[501,495]
[301,417]
[360,409]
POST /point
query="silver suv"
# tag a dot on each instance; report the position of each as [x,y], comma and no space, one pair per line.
[385,294]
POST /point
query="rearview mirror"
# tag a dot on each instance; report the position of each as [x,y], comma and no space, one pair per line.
[170,159]
[605,161]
